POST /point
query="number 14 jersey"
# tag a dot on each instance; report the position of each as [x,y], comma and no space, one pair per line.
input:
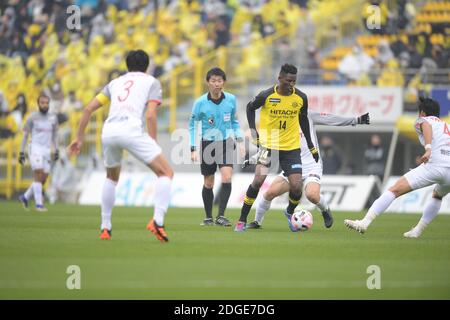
[128,96]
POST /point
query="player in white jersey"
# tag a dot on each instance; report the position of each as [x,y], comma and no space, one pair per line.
[43,128]
[134,98]
[311,170]
[434,135]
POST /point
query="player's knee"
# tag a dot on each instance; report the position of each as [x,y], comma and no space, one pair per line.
[296,188]
[313,197]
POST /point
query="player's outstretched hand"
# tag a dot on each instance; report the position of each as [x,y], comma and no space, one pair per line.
[315,153]
[22,158]
[75,147]
[56,155]
[426,156]
[364,119]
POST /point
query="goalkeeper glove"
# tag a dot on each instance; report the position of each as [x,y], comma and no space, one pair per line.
[56,155]
[315,153]
[22,158]
[364,119]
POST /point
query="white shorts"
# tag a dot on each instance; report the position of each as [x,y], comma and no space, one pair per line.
[143,148]
[310,173]
[40,158]
[428,174]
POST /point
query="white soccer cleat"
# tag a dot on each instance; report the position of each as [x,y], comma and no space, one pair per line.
[413,233]
[355,225]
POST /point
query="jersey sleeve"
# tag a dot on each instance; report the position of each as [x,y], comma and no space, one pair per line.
[104,96]
[29,124]
[258,101]
[331,119]
[195,116]
[418,123]
[155,92]
[55,133]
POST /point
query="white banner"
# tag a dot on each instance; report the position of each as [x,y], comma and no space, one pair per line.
[349,193]
[414,202]
[384,104]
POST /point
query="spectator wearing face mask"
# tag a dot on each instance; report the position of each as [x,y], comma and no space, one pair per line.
[331,159]
[374,157]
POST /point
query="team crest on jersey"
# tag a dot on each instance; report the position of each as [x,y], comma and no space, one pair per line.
[211,120]
[295,104]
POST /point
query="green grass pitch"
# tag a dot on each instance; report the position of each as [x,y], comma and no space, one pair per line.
[215,262]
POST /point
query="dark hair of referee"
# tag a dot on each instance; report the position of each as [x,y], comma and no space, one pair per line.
[216,72]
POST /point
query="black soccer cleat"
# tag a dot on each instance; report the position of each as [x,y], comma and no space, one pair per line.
[254,225]
[327,218]
[207,222]
[222,221]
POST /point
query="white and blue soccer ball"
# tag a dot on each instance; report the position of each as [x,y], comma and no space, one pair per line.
[302,219]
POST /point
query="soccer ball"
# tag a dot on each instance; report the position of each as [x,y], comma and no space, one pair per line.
[302,219]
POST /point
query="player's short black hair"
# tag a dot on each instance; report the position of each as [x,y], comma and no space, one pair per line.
[288,68]
[137,60]
[429,106]
[42,95]
[216,72]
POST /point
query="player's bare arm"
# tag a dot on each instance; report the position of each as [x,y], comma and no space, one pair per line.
[150,118]
[428,136]
[75,146]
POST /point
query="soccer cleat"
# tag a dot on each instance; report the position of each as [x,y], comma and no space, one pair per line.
[105,234]
[413,233]
[158,231]
[240,226]
[327,218]
[207,222]
[24,202]
[355,225]
[41,208]
[291,226]
[254,225]
[222,221]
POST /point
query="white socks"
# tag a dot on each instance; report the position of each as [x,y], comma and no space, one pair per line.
[322,205]
[29,193]
[378,207]
[162,199]
[431,210]
[108,198]
[261,209]
[37,190]
[429,213]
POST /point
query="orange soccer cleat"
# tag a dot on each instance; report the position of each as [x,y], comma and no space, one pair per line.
[158,231]
[106,234]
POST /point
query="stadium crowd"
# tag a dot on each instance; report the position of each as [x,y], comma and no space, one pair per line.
[405,42]
[39,52]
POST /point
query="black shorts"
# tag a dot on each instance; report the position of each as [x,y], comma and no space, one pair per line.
[290,160]
[216,153]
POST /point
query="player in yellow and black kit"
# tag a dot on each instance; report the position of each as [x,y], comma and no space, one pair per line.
[284,111]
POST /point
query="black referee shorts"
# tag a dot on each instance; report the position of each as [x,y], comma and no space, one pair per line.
[216,154]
